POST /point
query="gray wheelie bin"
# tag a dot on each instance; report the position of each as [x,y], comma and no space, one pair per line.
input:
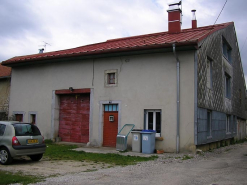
[148,141]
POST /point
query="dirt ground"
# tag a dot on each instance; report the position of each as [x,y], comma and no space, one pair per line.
[226,165]
[48,168]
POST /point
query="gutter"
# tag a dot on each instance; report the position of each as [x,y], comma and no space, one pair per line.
[178,98]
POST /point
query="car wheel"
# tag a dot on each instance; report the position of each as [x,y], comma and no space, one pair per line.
[36,157]
[5,157]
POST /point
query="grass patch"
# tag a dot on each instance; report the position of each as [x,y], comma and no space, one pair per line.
[48,141]
[11,178]
[186,157]
[65,152]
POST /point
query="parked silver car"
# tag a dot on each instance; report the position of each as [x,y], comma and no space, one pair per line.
[20,139]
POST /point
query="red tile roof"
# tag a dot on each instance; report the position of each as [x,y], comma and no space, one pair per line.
[149,41]
[5,71]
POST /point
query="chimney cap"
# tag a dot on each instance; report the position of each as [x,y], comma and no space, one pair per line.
[174,6]
[179,3]
[193,14]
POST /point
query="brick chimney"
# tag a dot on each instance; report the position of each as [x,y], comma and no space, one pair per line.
[174,18]
[194,21]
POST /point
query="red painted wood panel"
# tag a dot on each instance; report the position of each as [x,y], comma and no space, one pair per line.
[110,129]
[74,117]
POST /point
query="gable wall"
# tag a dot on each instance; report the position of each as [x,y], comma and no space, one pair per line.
[215,99]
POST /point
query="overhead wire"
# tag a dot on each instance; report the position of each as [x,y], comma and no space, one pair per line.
[220,12]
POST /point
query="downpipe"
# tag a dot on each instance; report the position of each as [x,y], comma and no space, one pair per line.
[178,99]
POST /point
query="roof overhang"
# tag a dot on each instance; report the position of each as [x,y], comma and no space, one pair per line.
[103,54]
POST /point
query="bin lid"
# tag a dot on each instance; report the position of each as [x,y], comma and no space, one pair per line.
[136,130]
[148,131]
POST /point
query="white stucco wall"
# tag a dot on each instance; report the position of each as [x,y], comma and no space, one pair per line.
[144,82]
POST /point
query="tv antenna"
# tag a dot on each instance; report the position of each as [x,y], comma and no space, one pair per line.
[45,44]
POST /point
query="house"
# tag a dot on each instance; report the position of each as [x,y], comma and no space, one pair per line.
[5,78]
[187,84]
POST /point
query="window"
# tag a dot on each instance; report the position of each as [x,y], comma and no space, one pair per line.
[19,117]
[209,124]
[33,118]
[227,123]
[153,121]
[111,78]
[2,129]
[227,86]
[209,73]
[226,50]
[111,107]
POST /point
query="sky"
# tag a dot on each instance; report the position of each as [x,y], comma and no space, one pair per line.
[27,25]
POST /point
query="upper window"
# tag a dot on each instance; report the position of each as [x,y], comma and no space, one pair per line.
[209,73]
[111,78]
[2,129]
[226,50]
[209,124]
[227,86]
[153,121]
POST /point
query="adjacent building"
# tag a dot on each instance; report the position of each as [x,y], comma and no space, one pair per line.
[5,78]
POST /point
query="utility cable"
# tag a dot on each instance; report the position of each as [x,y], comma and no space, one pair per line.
[220,12]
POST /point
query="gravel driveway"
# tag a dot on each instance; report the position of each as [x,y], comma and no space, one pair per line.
[226,165]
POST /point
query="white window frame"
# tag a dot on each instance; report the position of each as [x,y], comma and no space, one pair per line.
[154,119]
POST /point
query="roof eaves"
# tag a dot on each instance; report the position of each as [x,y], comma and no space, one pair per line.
[95,52]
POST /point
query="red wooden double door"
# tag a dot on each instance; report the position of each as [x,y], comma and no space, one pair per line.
[74,117]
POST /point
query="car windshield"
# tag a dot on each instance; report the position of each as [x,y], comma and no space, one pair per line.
[26,130]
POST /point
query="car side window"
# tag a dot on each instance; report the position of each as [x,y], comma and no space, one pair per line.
[2,129]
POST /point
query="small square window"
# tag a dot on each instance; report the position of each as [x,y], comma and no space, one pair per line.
[111,78]
[19,117]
